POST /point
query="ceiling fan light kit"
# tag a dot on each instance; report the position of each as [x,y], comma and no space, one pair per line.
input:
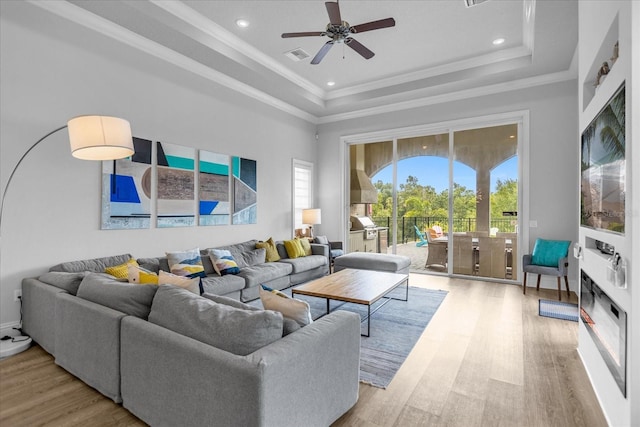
[340,31]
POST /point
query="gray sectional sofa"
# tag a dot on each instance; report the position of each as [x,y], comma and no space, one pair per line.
[155,356]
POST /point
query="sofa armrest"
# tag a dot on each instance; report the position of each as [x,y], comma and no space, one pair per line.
[39,312]
[319,249]
[88,343]
[309,377]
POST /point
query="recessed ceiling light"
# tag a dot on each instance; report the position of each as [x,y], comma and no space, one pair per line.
[512,136]
[242,23]
[498,41]
[331,83]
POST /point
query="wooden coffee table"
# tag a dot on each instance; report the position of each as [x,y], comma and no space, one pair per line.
[356,286]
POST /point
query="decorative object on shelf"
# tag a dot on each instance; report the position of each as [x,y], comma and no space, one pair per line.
[614,58]
[245,191]
[90,138]
[311,217]
[603,71]
[616,271]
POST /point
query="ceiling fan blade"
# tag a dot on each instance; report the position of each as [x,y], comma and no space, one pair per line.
[374,25]
[333,9]
[307,34]
[359,47]
[322,52]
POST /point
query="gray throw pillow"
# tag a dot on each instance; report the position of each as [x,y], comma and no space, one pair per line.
[228,328]
[96,265]
[67,281]
[255,256]
[322,240]
[288,325]
[125,297]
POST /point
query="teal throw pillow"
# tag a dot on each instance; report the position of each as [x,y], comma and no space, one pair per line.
[548,252]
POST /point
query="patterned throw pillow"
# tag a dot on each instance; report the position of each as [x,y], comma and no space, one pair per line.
[291,308]
[188,283]
[141,276]
[270,246]
[294,248]
[186,263]
[223,262]
[121,271]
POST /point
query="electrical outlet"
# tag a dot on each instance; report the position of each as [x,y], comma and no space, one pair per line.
[17,294]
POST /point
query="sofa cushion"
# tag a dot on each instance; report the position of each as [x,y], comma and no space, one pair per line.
[323,240]
[272,252]
[300,265]
[221,285]
[186,263]
[67,281]
[238,250]
[292,308]
[255,257]
[306,246]
[128,298]
[95,265]
[288,325]
[141,276]
[223,262]
[228,328]
[258,274]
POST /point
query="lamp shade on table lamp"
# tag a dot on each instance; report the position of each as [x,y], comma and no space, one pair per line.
[311,216]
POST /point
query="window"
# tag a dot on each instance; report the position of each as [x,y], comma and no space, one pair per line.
[302,189]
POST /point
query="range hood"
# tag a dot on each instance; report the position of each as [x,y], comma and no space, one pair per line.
[362,190]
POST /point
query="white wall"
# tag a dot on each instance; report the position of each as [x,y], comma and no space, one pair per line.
[552,159]
[597,20]
[52,70]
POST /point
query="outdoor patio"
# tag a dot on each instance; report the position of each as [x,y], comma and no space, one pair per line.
[418,257]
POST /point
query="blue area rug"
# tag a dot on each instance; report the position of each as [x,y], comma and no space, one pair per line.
[395,329]
[558,310]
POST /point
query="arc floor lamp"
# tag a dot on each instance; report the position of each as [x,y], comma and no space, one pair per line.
[91,138]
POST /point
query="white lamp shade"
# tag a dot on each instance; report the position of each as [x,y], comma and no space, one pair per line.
[311,216]
[100,138]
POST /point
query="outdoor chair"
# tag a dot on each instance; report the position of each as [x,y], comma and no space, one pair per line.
[492,257]
[463,255]
[423,241]
[437,252]
[549,257]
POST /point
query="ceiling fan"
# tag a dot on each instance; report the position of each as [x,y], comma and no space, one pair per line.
[340,31]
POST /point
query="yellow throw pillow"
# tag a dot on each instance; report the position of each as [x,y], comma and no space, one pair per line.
[306,246]
[121,271]
[294,248]
[272,252]
[141,276]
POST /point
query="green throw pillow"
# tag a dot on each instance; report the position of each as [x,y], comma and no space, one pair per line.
[548,252]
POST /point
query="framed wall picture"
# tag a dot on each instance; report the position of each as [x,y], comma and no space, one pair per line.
[213,188]
[245,193]
[175,204]
[126,189]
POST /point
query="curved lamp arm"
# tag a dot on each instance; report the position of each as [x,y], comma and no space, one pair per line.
[6,187]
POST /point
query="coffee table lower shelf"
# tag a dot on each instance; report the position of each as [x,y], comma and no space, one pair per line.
[364,287]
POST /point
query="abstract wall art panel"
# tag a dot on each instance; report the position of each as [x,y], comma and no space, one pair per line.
[245,194]
[126,189]
[214,207]
[175,204]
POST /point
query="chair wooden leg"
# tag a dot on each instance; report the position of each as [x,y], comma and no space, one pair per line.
[566,284]
[538,284]
[524,285]
[559,290]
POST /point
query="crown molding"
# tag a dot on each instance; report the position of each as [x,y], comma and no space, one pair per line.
[207,26]
[526,83]
[89,20]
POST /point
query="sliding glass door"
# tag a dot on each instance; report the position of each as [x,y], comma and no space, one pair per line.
[449,200]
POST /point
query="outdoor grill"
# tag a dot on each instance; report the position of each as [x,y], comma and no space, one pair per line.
[364,223]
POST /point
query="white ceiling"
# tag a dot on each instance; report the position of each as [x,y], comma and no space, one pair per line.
[438,50]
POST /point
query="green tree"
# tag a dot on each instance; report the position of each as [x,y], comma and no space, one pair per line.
[505,198]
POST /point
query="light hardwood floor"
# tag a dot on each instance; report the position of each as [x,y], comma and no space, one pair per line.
[485,359]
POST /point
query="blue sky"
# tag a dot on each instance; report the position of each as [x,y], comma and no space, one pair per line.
[432,170]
